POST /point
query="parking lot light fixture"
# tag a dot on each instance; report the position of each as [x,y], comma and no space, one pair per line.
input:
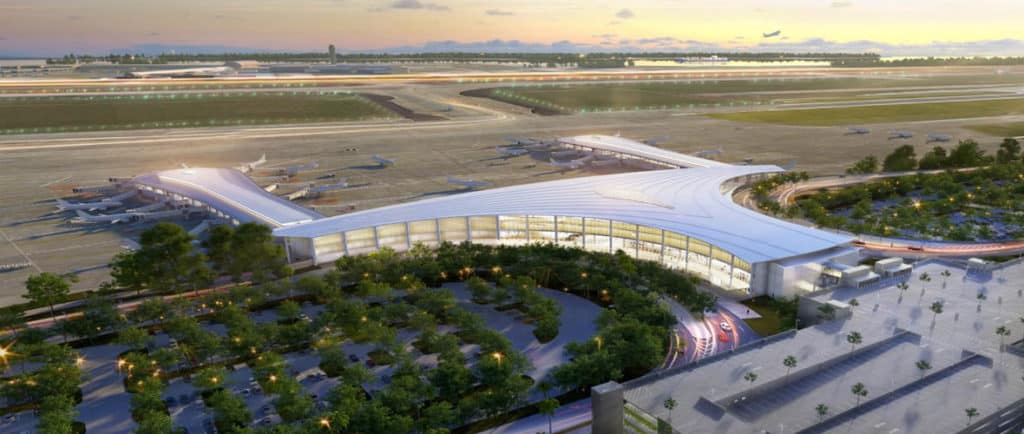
[599,342]
[273,378]
[325,423]
[497,356]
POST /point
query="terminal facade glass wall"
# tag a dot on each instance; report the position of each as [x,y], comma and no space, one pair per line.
[674,250]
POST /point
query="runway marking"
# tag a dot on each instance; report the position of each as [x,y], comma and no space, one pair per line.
[21,252]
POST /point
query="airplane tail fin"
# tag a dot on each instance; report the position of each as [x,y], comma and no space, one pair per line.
[82,214]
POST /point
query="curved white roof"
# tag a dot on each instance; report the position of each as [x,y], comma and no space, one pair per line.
[230,192]
[686,201]
[639,150]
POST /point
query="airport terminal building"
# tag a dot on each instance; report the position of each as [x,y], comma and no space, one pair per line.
[682,218]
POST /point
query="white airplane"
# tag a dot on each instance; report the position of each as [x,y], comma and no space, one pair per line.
[857,130]
[772,34]
[147,208]
[938,138]
[468,184]
[384,162]
[127,217]
[64,205]
[341,185]
[248,167]
[900,135]
[294,170]
[513,152]
[572,164]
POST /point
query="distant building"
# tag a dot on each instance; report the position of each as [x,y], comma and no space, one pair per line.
[332,53]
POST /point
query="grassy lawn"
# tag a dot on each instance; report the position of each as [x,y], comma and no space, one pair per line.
[771,321]
[880,113]
[55,114]
[1009,129]
[710,93]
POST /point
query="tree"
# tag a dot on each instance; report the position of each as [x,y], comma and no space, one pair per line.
[971,414]
[854,338]
[790,363]
[826,311]
[253,250]
[229,411]
[866,165]
[218,246]
[547,407]
[12,318]
[57,414]
[822,411]
[129,272]
[289,311]
[923,366]
[48,289]
[480,289]
[967,153]
[934,159]
[157,423]
[859,390]
[670,404]
[902,159]
[750,376]
[165,256]
[936,308]
[945,276]
[210,378]
[1003,332]
[135,338]
[1009,151]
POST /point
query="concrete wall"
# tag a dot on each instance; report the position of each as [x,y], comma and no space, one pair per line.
[607,405]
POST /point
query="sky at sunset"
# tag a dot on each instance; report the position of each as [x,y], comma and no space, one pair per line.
[891,27]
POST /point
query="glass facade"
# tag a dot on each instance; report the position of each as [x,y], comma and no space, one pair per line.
[674,250]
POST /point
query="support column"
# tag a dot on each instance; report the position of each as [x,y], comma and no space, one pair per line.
[732,268]
[686,255]
[554,219]
[583,231]
[408,237]
[344,244]
[376,238]
[611,237]
[607,408]
[526,220]
[662,260]
[469,231]
[437,229]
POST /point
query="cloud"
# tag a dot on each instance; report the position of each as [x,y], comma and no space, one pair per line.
[416,4]
[499,13]
[625,14]
[841,3]
[1001,47]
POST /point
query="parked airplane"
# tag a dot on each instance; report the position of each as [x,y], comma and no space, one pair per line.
[857,130]
[468,184]
[900,135]
[294,170]
[572,164]
[341,185]
[248,167]
[384,162]
[64,205]
[521,141]
[126,217]
[938,138]
[772,34]
[147,208]
[513,152]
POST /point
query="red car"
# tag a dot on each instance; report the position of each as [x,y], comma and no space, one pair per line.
[723,337]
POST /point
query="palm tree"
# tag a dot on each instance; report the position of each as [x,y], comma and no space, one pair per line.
[923,365]
[854,302]
[547,407]
[790,363]
[854,338]
[936,308]
[826,311]
[860,391]
[924,278]
[750,376]
[822,410]
[971,414]
[902,286]
[670,404]
[1003,332]
[945,276]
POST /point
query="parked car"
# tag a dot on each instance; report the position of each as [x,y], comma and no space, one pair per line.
[725,326]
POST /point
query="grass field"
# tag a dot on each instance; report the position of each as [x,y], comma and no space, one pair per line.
[1009,129]
[880,113]
[691,94]
[82,113]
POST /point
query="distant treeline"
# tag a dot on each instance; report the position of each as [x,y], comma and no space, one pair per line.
[550,59]
[928,61]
